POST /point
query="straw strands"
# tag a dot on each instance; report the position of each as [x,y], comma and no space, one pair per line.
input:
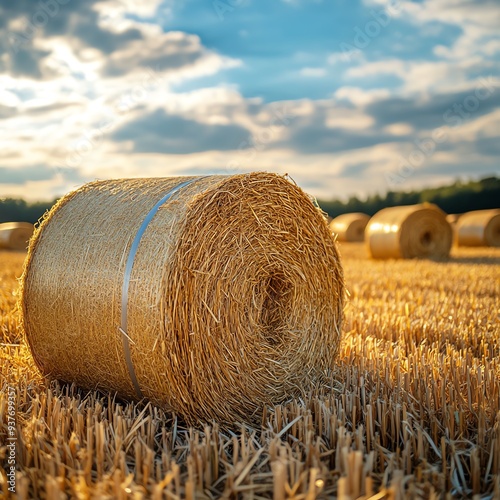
[233,300]
[15,235]
[408,232]
[411,411]
[350,227]
[479,228]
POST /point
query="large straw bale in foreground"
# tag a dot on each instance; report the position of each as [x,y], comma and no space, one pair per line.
[231,300]
[350,227]
[409,231]
[480,228]
[15,235]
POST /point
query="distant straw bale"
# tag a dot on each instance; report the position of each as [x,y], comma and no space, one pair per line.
[480,228]
[230,300]
[350,227]
[15,235]
[409,231]
[453,218]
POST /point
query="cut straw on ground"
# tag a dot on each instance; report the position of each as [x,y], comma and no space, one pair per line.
[412,410]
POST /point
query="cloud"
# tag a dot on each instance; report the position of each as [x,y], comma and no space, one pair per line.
[158,132]
[315,138]
[356,97]
[31,19]
[431,111]
[22,175]
[395,67]
[455,59]
[89,34]
[478,21]
[7,111]
[208,131]
[101,83]
[142,8]
[165,53]
[96,34]
[483,13]
[29,63]
[313,72]
[489,146]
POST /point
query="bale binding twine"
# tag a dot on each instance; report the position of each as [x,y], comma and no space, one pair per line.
[211,297]
[480,228]
[350,227]
[15,235]
[409,231]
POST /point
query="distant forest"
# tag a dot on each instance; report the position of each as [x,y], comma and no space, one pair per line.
[455,198]
[18,210]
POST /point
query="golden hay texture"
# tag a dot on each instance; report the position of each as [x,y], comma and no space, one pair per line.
[453,218]
[409,231]
[412,409]
[479,228]
[349,227]
[235,299]
[15,235]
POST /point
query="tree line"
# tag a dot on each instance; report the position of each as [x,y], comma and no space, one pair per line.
[19,210]
[455,198]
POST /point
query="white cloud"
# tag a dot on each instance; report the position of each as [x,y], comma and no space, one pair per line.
[399,129]
[9,99]
[331,146]
[458,12]
[424,77]
[142,8]
[486,126]
[177,53]
[347,118]
[477,20]
[395,67]
[360,97]
[57,133]
[313,72]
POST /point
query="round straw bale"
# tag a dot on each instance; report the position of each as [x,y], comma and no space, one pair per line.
[350,227]
[15,235]
[453,218]
[479,228]
[230,300]
[409,231]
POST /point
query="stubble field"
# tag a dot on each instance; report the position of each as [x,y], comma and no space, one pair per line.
[413,409]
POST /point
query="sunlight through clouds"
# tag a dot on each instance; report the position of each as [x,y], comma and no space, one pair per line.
[128,88]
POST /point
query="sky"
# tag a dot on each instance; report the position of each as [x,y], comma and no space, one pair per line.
[348,97]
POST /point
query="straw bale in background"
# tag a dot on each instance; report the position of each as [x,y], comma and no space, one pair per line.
[479,228]
[350,227]
[409,231]
[15,235]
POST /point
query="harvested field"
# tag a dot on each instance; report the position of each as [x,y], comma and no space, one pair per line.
[413,409]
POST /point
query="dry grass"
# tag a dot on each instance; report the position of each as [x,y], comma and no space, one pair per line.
[413,409]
